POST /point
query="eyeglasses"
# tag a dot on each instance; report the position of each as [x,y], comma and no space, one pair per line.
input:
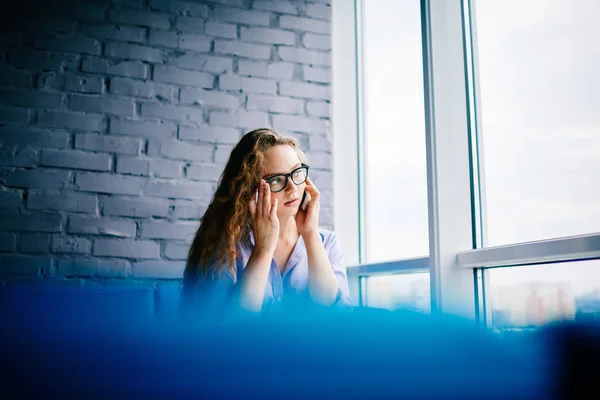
[279,182]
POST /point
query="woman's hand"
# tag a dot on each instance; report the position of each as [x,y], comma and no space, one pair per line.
[307,221]
[265,223]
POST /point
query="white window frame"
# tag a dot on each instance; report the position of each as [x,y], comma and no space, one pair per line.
[458,256]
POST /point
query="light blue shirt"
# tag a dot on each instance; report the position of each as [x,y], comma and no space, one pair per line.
[287,289]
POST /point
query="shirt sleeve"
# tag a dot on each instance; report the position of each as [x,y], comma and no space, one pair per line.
[336,258]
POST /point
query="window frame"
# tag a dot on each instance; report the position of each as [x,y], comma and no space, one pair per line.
[458,256]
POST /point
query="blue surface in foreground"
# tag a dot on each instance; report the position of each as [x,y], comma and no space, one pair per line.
[363,353]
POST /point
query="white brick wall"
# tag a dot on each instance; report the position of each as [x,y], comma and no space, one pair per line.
[116,119]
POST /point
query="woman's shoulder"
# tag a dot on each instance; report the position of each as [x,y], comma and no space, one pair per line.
[327,236]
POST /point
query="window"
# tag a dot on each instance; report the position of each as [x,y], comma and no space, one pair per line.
[402,291]
[531,296]
[395,181]
[540,96]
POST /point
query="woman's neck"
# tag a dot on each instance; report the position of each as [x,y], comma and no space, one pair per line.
[288,231]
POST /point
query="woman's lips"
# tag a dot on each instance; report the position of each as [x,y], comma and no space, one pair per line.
[291,203]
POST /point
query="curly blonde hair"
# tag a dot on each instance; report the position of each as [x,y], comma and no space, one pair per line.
[227,222]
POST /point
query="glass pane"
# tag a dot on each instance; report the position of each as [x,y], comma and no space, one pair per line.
[540,125]
[395,167]
[526,297]
[404,291]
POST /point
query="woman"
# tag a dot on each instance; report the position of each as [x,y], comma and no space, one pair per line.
[255,249]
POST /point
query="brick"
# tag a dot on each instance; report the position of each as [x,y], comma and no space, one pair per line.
[10,38]
[28,98]
[79,224]
[315,41]
[297,123]
[102,104]
[82,122]
[177,150]
[143,18]
[172,112]
[93,268]
[10,199]
[219,29]
[23,265]
[192,41]
[15,156]
[320,160]
[280,70]
[318,108]
[247,85]
[133,166]
[13,77]
[234,3]
[8,242]
[202,62]
[304,24]
[304,56]
[134,52]
[17,116]
[240,119]
[140,207]
[44,60]
[34,243]
[176,251]
[319,143]
[84,84]
[45,23]
[179,190]
[190,210]
[182,77]
[210,134]
[326,216]
[180,7]
[229,14]
[51,81]
[267,35]
[92,12]
[166,230]
[322,179]
[39,179]
[69,44]
[126,248]
[158,269]
[222,153]
[139,4]
[326,198]
[31,223]
[106,143]
[149,129]
[115,32]
[241,49]
[275,104]
[72,245]
[165,169]
[304,90]
[312,74]
[106,183]
[318,11]
[208,98]
[26,137]
[204,172]
[129,69]
[190,24]
[71,202]
[148,90]
[76,159]
[279,6]
[163,38]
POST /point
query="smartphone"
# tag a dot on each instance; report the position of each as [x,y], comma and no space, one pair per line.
[305,200]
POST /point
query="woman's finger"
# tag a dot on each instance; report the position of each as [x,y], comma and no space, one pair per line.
[266,203]
[273,213]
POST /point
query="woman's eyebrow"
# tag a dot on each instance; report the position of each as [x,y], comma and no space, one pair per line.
[281,173]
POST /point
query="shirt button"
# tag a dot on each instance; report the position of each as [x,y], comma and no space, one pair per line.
[279,299]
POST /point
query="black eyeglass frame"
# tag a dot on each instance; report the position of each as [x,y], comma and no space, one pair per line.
[288,176]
